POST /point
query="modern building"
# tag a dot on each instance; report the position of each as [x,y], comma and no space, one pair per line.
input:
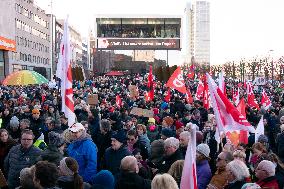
[76,44]
[197,28]
[141,34]
[29,27]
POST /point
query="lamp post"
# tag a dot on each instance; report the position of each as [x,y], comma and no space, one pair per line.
[272,67]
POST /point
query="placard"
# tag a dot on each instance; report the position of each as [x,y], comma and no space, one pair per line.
[93,99]
[133,91]
[142,112]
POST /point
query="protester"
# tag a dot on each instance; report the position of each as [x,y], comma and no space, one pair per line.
[103,180]
[26,179]
[45,175]
[176,170]
[202,166]
[84,151]
[128,177]
[237,174]
[69,175]
[265,172]
[164,181]
[19,157]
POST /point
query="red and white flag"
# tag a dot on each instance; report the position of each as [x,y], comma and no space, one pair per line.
[64,72]
[259,129]
[222,85]
[176,81]
[189,176]
[242,107]
[206,95]
[251,98]
[228,118]
[188,97]
[265,101]
[236,96]
[199,90]
[118,101]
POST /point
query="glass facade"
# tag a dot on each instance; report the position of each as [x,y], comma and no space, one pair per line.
[138,27]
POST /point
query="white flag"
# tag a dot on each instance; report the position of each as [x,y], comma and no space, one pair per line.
[260,129]
[64,72]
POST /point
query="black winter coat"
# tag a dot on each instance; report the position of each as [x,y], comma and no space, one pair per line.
[52,155]
[114,157]
[17,159]
[131,180]
[169,160]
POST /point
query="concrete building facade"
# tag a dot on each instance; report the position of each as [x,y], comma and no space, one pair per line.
[29,26]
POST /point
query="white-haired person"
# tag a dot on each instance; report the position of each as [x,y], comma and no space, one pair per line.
[164,181]
[238,172]
[172,154]
[183,141]
[203,170]
[265,172]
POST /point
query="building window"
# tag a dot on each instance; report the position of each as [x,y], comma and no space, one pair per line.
[38,60]
[24,67]
[29,58]
[34,59]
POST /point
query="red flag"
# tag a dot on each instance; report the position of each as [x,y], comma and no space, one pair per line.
[243,136]
[265,101]
[242,107]
[151,84]
[199,90]
[176,81]
[168,96]
[190,75]
[251,99]
[189,176]
[228,118]
[188,97]
[118,101]
[64,72]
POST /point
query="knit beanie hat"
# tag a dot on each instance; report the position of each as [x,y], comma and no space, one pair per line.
[203,149]
[104,179]
[55,139]
[167,132]
[119,136]
[14,122]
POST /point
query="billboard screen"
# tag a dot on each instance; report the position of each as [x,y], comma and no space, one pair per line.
[138,43]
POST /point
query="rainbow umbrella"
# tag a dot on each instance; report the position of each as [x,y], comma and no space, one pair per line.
[24,77]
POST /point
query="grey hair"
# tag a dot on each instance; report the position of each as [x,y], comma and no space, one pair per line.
[164,181]
[105,125]
[172,142]
[268,166]
[14,122]
[185,134]
[128,163]
[25,121]
[239,169]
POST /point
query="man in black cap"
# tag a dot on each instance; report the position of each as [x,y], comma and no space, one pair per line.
[116,152]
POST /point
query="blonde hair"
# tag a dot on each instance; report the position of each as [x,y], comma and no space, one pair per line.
[164,181]
[238,154]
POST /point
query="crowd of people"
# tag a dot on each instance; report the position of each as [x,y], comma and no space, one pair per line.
[110,148]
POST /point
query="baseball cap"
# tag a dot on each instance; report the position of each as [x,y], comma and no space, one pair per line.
[76,127]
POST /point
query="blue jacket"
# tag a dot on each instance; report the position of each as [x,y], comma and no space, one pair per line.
[203,174]
[85,152]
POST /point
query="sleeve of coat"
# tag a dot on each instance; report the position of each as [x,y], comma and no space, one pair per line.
[91,158]
[204,180]
[6,162]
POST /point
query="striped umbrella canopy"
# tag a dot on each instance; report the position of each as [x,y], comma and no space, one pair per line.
[24,77]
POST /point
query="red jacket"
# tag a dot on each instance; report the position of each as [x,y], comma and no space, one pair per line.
[269,182]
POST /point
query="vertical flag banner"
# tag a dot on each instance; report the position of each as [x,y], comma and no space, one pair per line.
[151,84]
[259,129]
[64,72]
[189,176]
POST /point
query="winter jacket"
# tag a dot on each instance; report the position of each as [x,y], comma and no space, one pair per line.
[67,182]
[4,150]
[17,159]
[52,155]
[269,182]
[235,185]
[219,180]
[279,173]
[280,146]
[84,151]
[145,141]
[102,142]
[169,160]
[114,157]
[131,180]
[203,174]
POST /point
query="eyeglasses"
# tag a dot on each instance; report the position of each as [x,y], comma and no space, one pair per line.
[26,139]
[219,159]
[131,139]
